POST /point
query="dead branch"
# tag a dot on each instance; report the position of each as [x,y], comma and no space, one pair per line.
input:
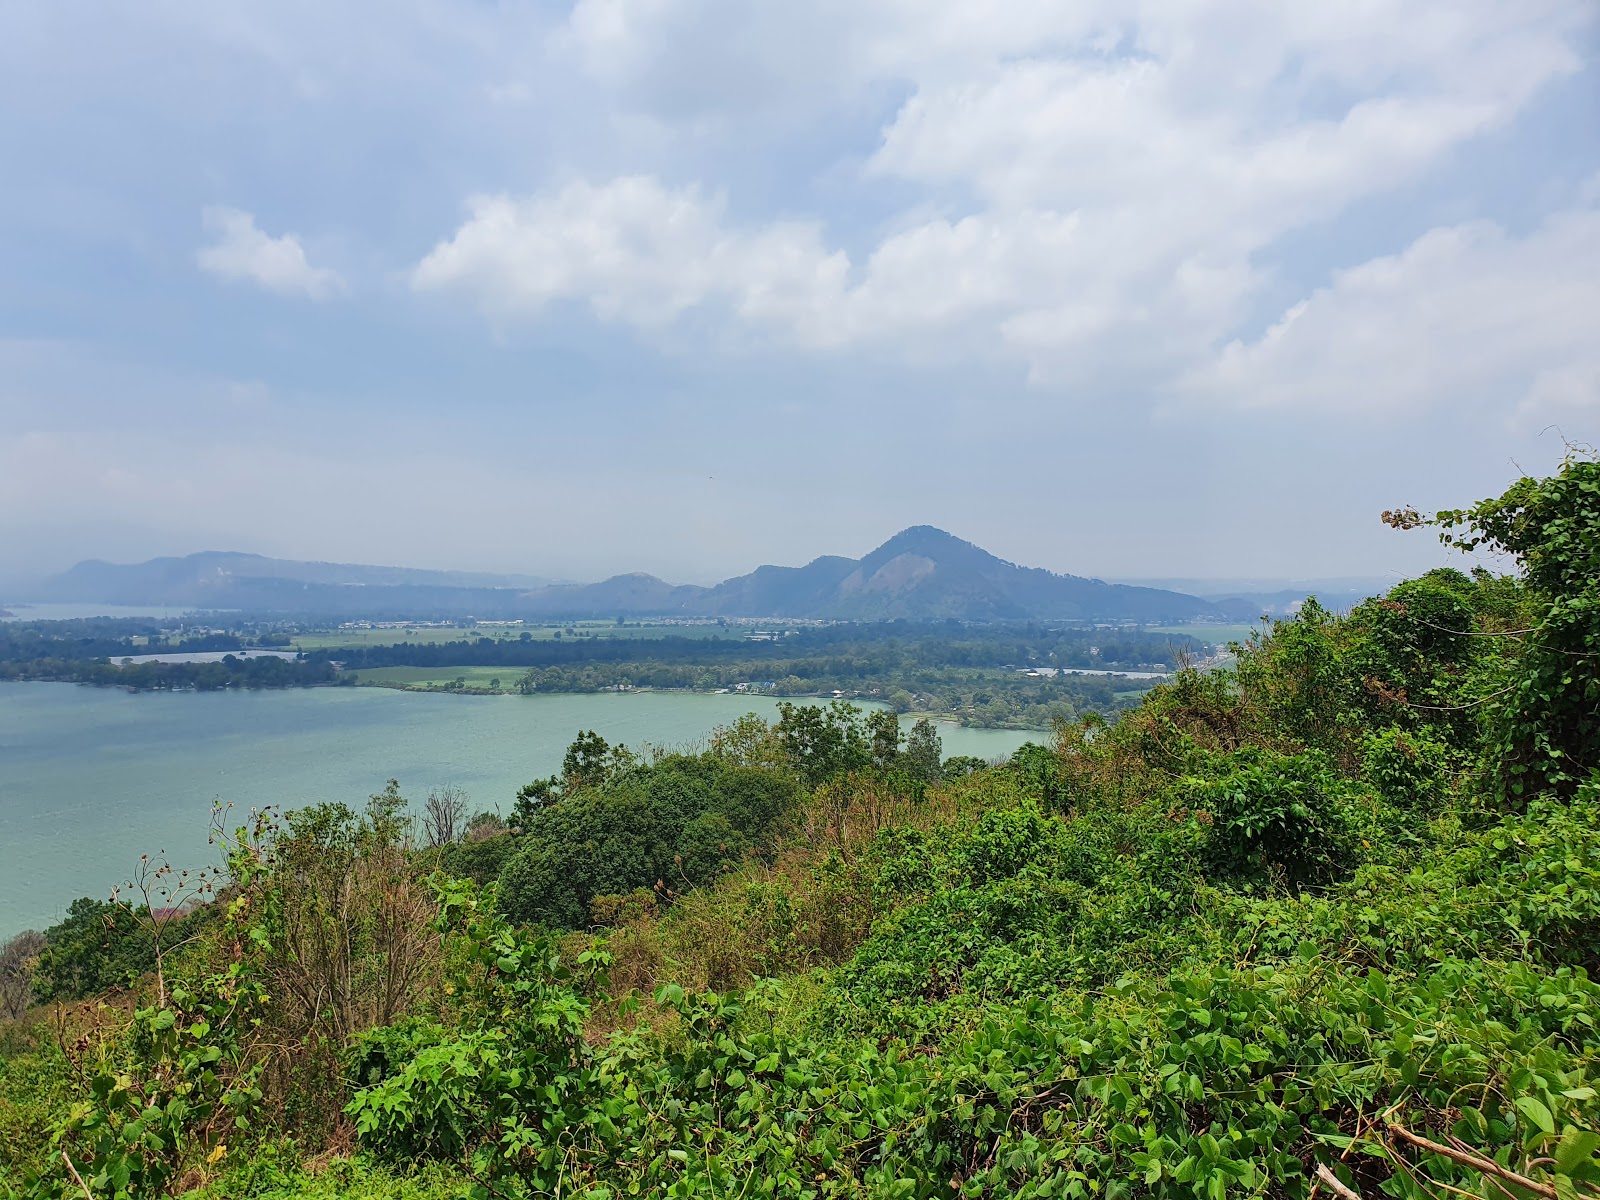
[76,1176]
[1327,1177]
[1485,1166]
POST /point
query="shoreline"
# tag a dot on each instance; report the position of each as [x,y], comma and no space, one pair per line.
[938,718]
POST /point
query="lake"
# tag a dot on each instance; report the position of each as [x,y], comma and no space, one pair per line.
[90,778]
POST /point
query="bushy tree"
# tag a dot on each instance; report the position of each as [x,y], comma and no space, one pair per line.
[884,738]
[17,959]
[98,946]
[590,760]
[669,826]
[822,742]
[960,766]
[922,759]
[1547,728]
[1296,680]
[749,742]
[532,799]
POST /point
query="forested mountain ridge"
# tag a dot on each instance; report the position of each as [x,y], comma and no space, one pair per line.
[924,572]
[233,579]
[920,573]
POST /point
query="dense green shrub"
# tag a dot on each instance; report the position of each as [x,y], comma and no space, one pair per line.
[1408,769]
[1268,813]
[671,825]
[96,947]
[504,1092]
[1204,1081]
[1038,767]
[183,1083]
[382,1052]
[479,861]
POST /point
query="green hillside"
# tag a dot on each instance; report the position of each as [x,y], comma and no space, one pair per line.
[1321,923]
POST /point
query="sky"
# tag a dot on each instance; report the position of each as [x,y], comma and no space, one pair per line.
[1175,288]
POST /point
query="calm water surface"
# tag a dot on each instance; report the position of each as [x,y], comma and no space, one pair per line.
[90,778]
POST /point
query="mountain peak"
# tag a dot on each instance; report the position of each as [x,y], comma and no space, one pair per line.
[922,537]
[929,541]
[934,544]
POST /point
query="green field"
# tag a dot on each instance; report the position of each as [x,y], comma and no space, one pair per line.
[334,638]
[329,639]
[422,677]
[1210,633]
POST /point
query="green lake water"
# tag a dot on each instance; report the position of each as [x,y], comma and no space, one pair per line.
[90,778]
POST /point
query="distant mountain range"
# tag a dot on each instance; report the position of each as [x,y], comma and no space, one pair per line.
[198,578]
[921,573]
[1277,597]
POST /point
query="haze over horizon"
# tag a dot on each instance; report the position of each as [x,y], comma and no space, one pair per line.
[1207,584]
[686,287]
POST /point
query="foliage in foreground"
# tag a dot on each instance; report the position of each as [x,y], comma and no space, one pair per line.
[1197,1080]
[1336,910]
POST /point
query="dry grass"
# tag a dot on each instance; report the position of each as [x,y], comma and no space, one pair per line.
[811,906]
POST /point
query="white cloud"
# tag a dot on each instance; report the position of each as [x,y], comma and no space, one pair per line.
[1091,189]
[1465,317]
[636,251]
[1116,196]
[641,253]
[687,59]
[242,251]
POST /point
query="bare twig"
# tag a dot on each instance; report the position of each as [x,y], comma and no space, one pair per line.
[1328,1178]
[1361,1118]
[76,1176]
[1469,704]
[1477,1162]
[1473,632]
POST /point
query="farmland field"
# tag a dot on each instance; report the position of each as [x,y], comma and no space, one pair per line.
[419,677]
[329,639]
[1216,634]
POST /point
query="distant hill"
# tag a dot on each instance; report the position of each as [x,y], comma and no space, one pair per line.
[231,579]
[921,573]
[1251,599]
